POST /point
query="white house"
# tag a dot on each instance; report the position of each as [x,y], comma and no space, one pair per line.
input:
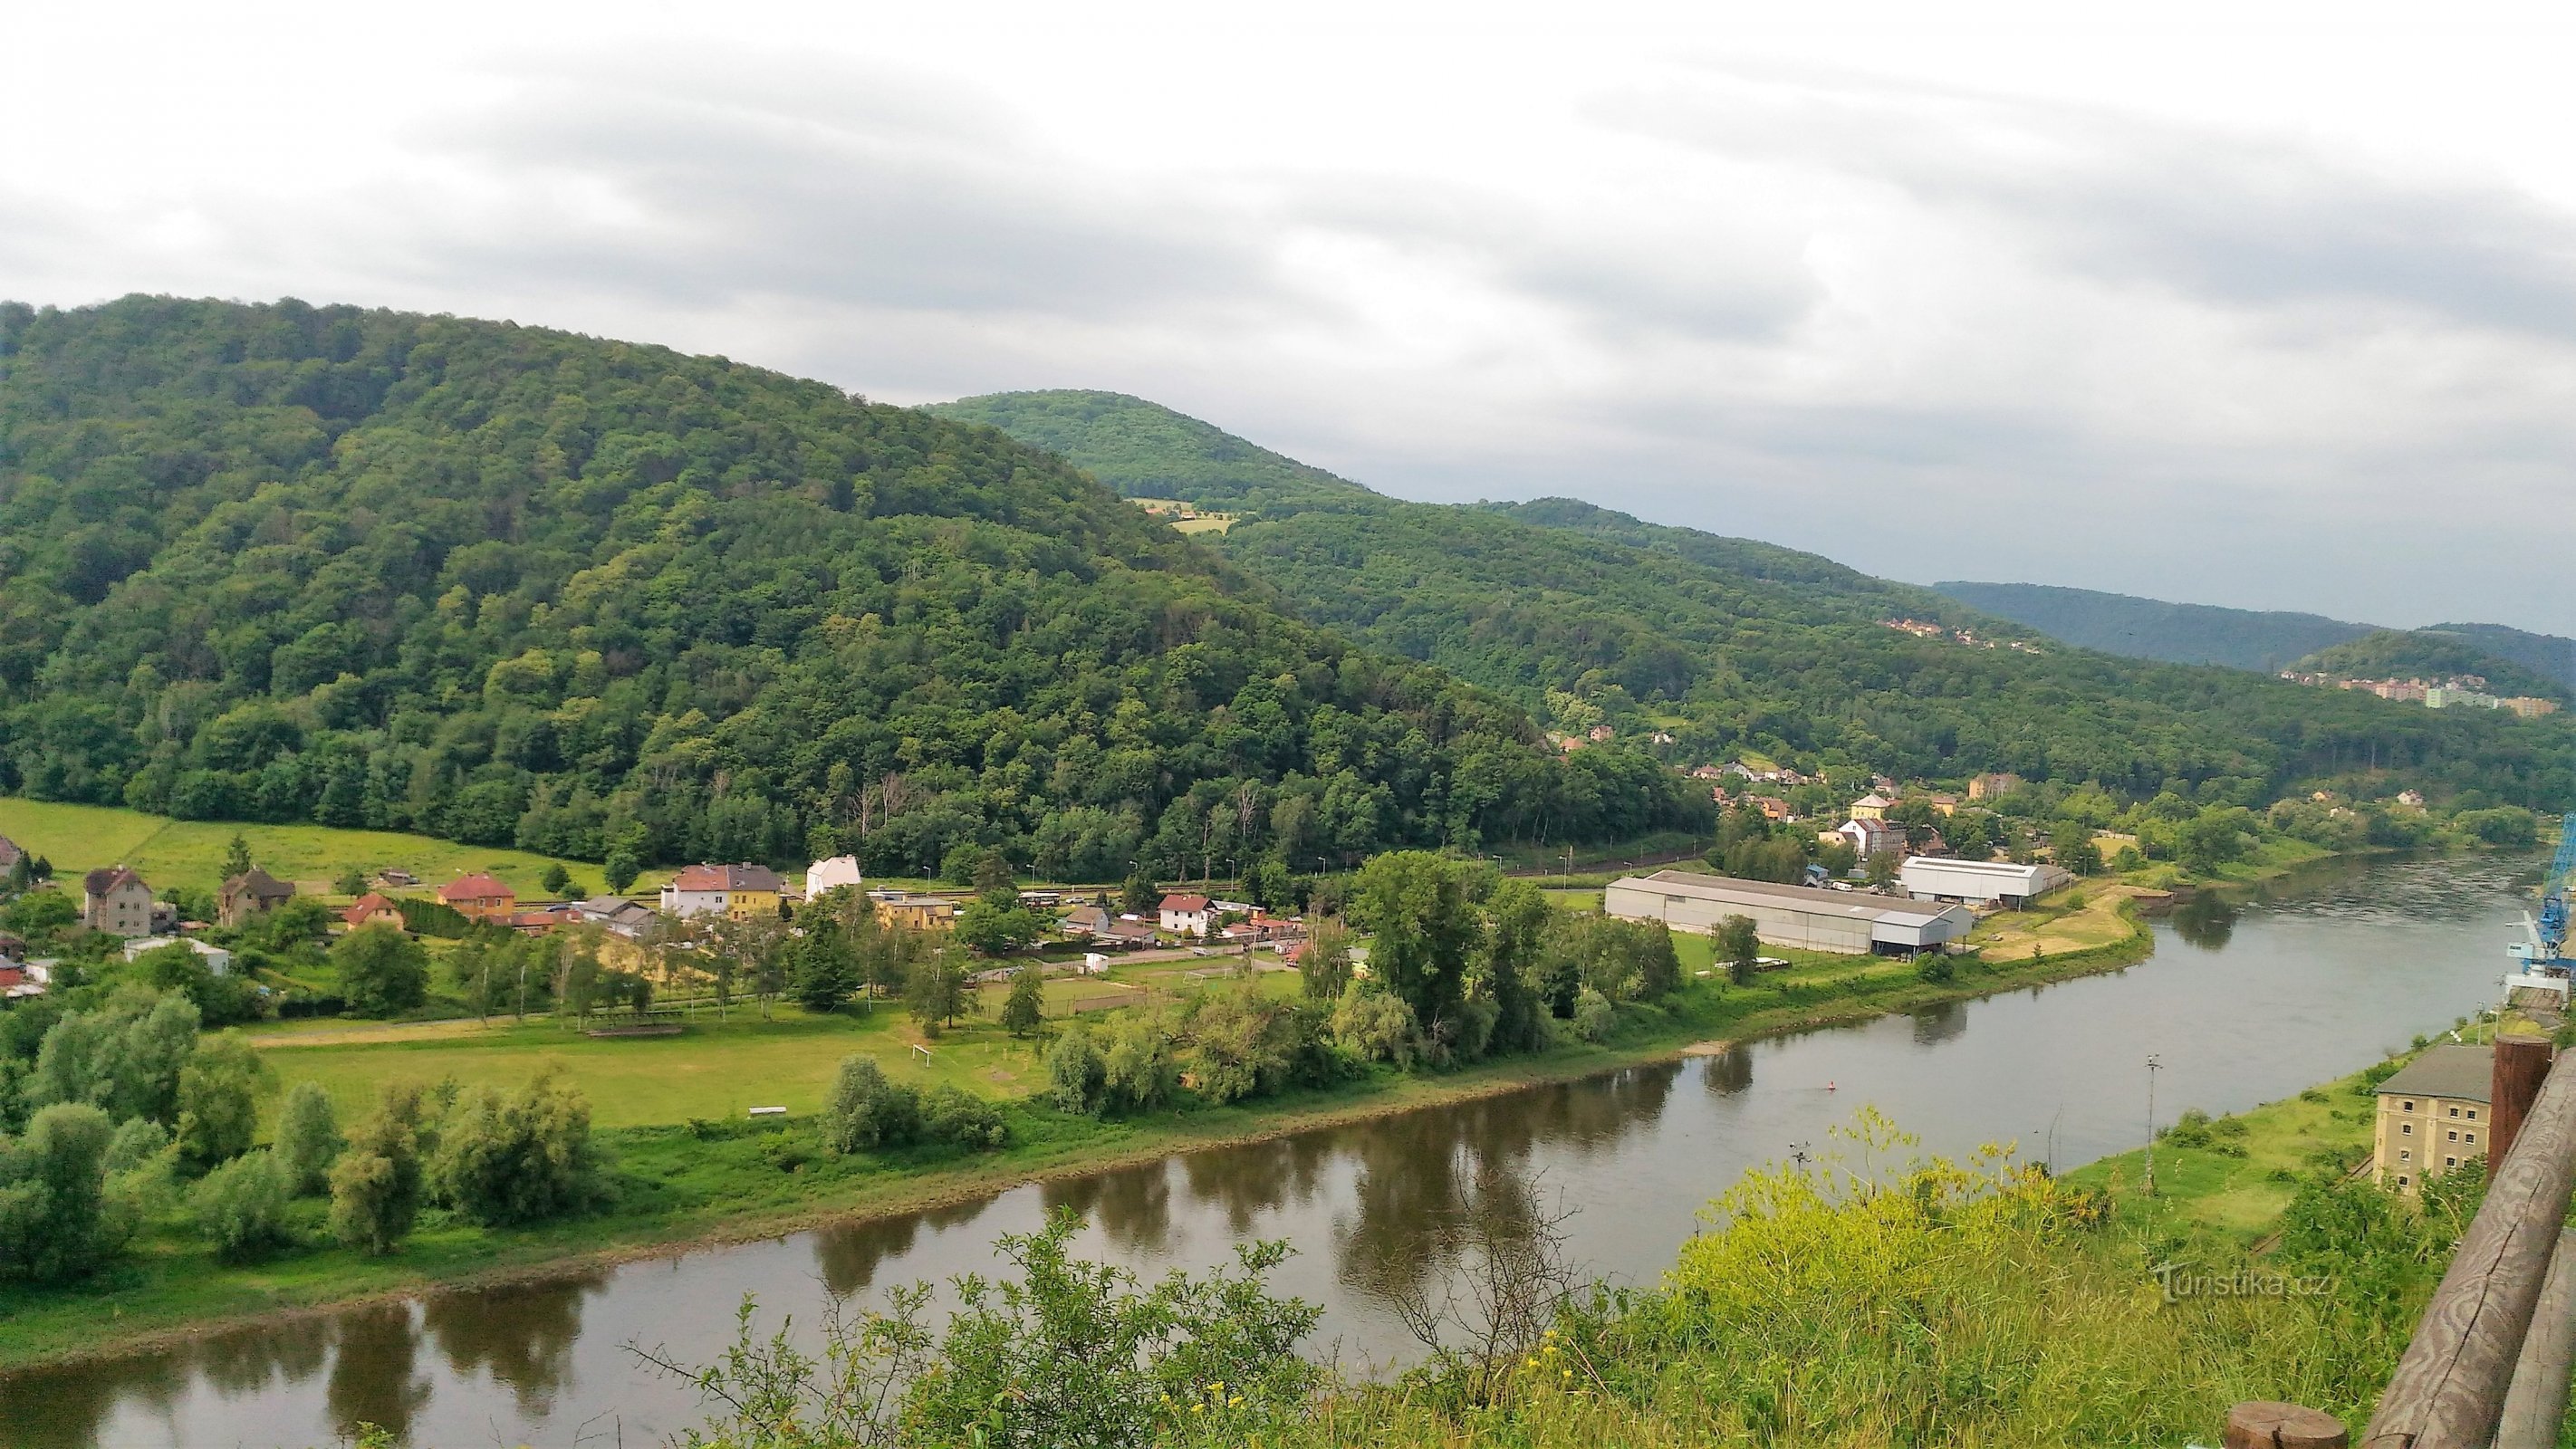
[1869,837]
[824,875]
[217,959]
[1931,878]
[1186,915]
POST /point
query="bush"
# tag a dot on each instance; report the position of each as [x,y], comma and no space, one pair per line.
[308,1138]
[240,1207]
[219,1100]
[1594,1016]
[952,1114]
[1934,967]
[53,1195]
[1376,1026]
[376,1183]
[1075,1074]
[137,1141]
[1138,1073]
[2191,1129]
[382,971]
[865,1111]
[518,1159]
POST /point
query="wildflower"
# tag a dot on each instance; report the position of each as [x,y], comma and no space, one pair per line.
[1235,1403]
[1199,1408]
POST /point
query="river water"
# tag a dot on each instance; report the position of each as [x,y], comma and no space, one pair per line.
[2316,977]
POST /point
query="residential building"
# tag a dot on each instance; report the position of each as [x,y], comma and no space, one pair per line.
[480,897]
[253,892]
[372,909]
[832,874]
[1872,837]
[919,913]
[1993,786]
[629,919]
[116,900]
[1085,922]
[2521,704]
[217,959]
[2433,1116]
[1771,806]
[1872,806]
[1979,882]
[735,892]
[1945,804]
[1186,915]
[19,982]
[1850,922]
[2413,799]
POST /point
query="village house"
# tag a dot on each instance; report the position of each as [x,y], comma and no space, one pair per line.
[1771,806]
[1992,786]
[1185,915]
[218,960]
[479,897]
[1082,923]
[1945,804]
[618,916]
[919,913]
[20,981]
[372,909]
[1871,836]
[735,892]
[1872,806]
[832,874]
[2432,1116]
[254,892]
[116,900]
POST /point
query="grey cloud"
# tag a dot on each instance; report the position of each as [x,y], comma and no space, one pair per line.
[794,192]
[2232,218]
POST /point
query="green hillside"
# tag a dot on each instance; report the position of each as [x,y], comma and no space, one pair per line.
[515,587]
[1731,646]
[2257,639]
[2546,654]
[1147,451]
[2430,656]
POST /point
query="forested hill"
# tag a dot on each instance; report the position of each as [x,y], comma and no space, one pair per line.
[1730,646]
[2432,657]
[2264,640]
[2257,639]
[1144,450]
[597,599]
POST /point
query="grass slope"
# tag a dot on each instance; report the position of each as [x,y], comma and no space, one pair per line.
[191,852]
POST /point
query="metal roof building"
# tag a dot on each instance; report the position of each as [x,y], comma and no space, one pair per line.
[1849,922]
[1942,878]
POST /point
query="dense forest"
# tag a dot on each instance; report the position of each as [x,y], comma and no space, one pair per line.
[2262,640]
[1730,646]
[602,600]
[2431,657]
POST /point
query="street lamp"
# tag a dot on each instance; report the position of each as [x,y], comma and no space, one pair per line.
[2154,1065]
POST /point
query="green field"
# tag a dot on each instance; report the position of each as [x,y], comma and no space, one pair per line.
[191,852]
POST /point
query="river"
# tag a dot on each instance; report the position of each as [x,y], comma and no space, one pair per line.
[2317,976]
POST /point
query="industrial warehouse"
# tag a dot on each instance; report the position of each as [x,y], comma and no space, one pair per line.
[1848,922]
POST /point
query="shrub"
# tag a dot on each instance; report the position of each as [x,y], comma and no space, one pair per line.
[308,1138]
[219,1100]
[1594,1016]
[520,1158]
[1075,1074]
[1376,1026]
[2191,1129]
[240,1207]
[376,1183]
[1138,1073]
[137,1141]
[866,1111]
[382,971]
[53,1195]
[1934,967]
[952,1114]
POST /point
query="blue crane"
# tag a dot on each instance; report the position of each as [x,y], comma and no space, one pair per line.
[2548,944]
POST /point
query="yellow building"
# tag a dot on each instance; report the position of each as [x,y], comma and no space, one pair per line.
[736,892]
[920,913]
[2433,1116]
[1872,806]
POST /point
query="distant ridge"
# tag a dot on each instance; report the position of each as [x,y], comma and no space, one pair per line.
[2155,629]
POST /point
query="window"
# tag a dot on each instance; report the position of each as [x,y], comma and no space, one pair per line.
[2406,1129]
[2473,1114]
[2408,1107]
[2405,1155]
[2473,1139]
[2401,1179]
[2455,1134]
[2450,1162]
[2455,1111]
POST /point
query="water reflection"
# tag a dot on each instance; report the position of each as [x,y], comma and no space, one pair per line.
[375,1375]
[1728,1071]
[529,1350]
[2207,920]
[1133,1207]
[849,1254]
[1936,1024]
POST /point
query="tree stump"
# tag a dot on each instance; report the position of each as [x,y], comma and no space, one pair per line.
[2283,1426]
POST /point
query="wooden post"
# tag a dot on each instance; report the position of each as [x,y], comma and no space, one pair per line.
[2537,1403]
[2449,1388]
[2282,1426]
[2521,1065]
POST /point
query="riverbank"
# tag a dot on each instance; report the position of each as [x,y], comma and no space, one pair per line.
[684,1186]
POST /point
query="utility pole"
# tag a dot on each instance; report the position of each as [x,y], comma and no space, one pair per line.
[2154,1065]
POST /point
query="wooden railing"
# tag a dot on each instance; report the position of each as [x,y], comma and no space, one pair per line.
[2490,1359]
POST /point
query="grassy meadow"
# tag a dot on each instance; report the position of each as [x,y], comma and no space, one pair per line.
[191,852]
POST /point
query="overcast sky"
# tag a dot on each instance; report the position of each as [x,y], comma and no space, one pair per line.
[2276,314]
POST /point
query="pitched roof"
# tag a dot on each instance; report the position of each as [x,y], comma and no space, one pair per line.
[9,852]
[2463,1072]
[1731,891]
[480,886]
[1872,798]
[115,877]
[260,884]
[726,878]
[1185,904]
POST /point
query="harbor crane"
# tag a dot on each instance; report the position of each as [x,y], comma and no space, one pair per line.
[2546,950]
